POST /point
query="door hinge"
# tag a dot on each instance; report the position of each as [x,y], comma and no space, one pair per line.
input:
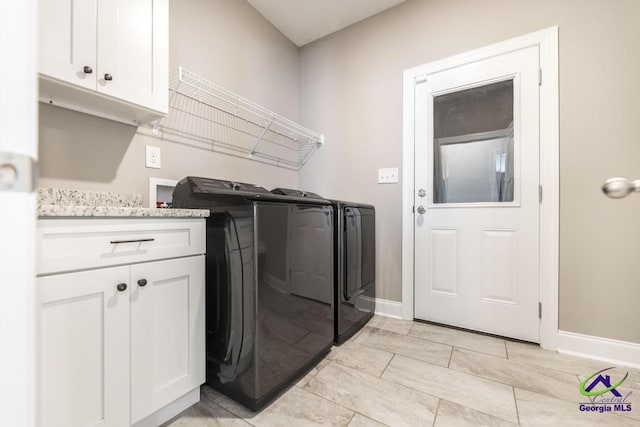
[18,172]
[540,193]
[539,310]
[539,76]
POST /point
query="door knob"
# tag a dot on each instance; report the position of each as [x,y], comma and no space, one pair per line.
[421,209]
[108,77]
[422,192]
[619,187]
[142,282]
[122,287]
[87,69]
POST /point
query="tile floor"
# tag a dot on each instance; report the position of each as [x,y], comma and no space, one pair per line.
[403,373]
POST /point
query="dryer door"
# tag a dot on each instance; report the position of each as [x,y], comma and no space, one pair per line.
[359,251]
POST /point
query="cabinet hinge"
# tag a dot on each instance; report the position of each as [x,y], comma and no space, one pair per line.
[413,209]
[539,310]
[540,193]
[539,76]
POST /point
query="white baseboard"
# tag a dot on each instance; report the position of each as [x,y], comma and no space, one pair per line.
[620,353]
[388,308]
[171,410]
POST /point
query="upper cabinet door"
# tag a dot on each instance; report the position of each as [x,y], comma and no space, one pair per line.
[67,42]
[132,51]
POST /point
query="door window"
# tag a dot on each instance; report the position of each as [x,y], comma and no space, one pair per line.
[473,145]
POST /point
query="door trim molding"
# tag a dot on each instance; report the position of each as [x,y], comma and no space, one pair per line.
[547,42]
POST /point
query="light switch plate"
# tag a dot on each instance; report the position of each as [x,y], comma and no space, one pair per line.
[153,158]
[388,176]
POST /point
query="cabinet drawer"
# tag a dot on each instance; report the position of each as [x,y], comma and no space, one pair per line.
[77,244]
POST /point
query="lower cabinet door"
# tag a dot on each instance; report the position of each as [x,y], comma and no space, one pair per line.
[83,354]
[167,332]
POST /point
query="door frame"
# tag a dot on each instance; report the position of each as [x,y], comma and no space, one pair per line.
[547,42]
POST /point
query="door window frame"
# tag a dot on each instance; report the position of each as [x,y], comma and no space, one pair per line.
[547,42]
[431,204]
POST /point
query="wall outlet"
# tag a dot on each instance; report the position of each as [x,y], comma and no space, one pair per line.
[388,176]
[153,159]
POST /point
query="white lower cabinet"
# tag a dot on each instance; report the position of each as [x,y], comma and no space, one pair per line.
[167,333]
[84,349]
[119,345]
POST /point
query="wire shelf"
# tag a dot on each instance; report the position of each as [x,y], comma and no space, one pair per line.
[203,113]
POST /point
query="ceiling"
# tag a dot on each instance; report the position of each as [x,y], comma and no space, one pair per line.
[304,21]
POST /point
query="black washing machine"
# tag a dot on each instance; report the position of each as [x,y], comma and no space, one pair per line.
[354,262]
[269,292]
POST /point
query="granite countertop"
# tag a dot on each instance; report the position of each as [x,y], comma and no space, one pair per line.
[53,202]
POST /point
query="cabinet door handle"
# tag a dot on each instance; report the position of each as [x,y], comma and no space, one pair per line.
[122,287]
[115,242]
[108,77]
[87,69]
[142,282]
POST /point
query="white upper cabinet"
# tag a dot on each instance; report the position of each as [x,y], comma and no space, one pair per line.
[133,49]
[68,41]
[106,57]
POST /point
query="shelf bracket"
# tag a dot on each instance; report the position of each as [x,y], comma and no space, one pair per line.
[155,126]
[310,153]
[174,91]
[264,132]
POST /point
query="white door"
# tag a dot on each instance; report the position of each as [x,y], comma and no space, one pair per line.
[67,41]
[132,40]
[84,348]
[18,144]
[476,195]
[167,332]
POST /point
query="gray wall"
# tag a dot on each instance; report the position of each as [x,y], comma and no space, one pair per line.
[351,89]
[227,42]
[349,86]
